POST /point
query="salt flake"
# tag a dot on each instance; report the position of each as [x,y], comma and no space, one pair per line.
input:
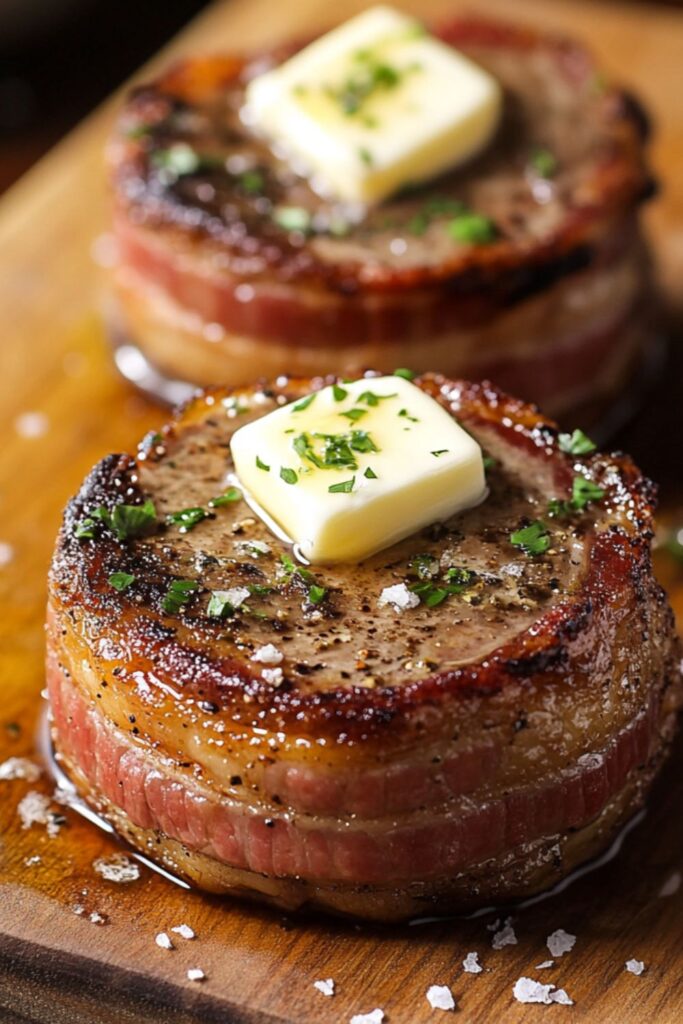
[471,964]
[374,1017]
[196,974]
[267,655]
[34,809]
[273,676]
[440,997]
[163,941]
[560,942]
[505,937]
[326,986]
[635,966]
[19,768]
[184,931]
[526,990]
[117,868]
[399,597]
[545,965]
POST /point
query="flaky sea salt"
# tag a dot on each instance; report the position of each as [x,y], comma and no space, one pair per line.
[560,942]
[634,966]
[19,768]
[117,868]
[267,655]
[505,936]
[471,964]
[526,990]
[184,931]
[234,596]
[34,809]
[325,985]
[399,597]
[163,941]
[31,424]
[273,676]
[545,965]
[196,974]
[440,997]
[374,1017]
[672,885]
[97,918]
[253,548]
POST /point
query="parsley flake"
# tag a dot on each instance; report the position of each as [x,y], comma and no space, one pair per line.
[261,465]
[288,475]
[371,399]
[472,229]
[178,595]
[543,162]
[533,539]
[304,403]
[124,521]
[120,581]
[576,443]
[406,416]
[370,474]
[440,451]
[187,518]
[405,373]
[339,393]
[232,494]
[583,492]
[316,594]
[292,218]
[345,487]
[354,414]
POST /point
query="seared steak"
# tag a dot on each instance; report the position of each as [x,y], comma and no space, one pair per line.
[270,730]
[216,276]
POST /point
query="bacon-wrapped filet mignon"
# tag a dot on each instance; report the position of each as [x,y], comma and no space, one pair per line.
[526,266]
[460,719]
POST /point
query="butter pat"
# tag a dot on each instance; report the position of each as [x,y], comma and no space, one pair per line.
[353,468]
[375,105]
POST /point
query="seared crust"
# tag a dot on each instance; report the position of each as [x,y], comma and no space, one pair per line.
[602,176]
[449,755]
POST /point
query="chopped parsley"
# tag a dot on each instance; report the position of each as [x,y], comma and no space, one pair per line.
[179,159]
[472,229]
[585,491]
[354,414]
[370,474]
[344,487]
[434,592]
[261,465]
[316,594]
[252,182]
[533,539]
[124,521]
[440,451]
[336,451]
[366,156]
[405,373]
[232,494]
[576,443]
[292,218]
[424,566]
[304,403]
[187,518]
[220,606]
[373,400]
[339,393]
[120,581]
[543,161]
[178,595]
[489,462]
[288,475]
[406,416]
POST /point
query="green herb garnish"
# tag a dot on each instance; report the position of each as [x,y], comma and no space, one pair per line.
[345,487]
[373,400]
[316,594]
[124,521]
[292,218]
[354,414]
[366,156]
[440,451]
[543,162]
[583,492]
[370,474]
[232,494]
[120,581]
[220,606]
[433,593]
[406,416]
[576,443]
[178,595]
[533,539]
[252,182]
[288,475]
[472,228]
[260,464]
[304,403]
[180,159]
[339,393]
[406,374]
[187,518]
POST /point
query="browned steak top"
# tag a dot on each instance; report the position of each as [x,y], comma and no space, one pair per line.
[511,616]
[232,193]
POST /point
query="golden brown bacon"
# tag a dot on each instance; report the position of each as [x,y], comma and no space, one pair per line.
[343,754]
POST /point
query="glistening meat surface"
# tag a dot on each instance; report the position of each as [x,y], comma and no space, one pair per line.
[370,761]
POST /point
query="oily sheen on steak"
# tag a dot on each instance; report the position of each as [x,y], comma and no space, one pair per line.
[230,259]
[286,733]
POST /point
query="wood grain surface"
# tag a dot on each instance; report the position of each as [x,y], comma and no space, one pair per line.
[56,966]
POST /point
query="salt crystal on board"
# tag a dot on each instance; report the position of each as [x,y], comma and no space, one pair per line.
[526,990]
[440,997]
[117,868]
[325,985]
[184,931]
[196,974]
[560,942]
[19,768]
[34,809]
[505,937]
[545,965]
[374,1017]
[471,964]
[163,941]
[635,966]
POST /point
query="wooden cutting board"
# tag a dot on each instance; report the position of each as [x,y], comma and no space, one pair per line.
[57,966]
